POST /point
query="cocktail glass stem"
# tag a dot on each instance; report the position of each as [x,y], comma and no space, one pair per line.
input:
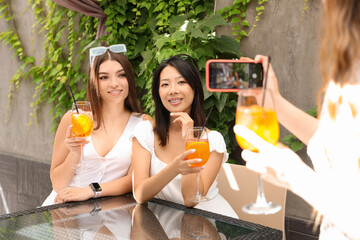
[198,193]
[82,164]
[82,156]
[260,199]
[261,206]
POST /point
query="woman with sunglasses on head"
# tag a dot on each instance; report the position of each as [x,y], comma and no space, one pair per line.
[158,153]
[333,138]
[111,90]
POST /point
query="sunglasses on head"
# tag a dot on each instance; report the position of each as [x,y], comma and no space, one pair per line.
[98,51]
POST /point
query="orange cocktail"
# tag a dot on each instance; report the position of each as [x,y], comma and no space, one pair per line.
[202,150]
[82,124]
[262,121]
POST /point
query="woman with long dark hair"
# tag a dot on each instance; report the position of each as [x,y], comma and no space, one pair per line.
[160,168]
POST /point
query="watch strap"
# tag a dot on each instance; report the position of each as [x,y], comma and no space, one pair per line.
[97,194]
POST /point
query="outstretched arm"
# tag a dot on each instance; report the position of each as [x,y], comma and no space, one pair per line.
[298,122]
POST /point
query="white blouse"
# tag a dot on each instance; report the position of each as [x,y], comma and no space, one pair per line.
[115,164]
[172,191]
[334,148]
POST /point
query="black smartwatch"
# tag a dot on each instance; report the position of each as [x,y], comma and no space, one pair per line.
[96,188]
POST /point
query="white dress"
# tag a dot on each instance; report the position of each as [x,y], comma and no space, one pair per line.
[172,191]
[114,165]
[334,148]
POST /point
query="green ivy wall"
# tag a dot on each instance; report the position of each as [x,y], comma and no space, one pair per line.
[284,31]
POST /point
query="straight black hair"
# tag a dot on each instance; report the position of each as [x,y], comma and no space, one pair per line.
[188,68]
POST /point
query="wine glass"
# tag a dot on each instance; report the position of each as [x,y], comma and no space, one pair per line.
[82,126]
[262,120]
[197,138]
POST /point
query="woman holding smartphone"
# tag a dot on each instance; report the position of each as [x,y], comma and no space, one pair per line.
[333,138]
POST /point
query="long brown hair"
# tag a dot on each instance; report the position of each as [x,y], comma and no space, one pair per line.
[340,46]
[92,90]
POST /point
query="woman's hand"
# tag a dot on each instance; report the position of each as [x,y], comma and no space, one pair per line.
[183,166]
[69,194]
[272,82]
[279,165]
[184,120]
[74,143]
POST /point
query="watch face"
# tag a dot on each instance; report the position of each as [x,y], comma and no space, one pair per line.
[96,187]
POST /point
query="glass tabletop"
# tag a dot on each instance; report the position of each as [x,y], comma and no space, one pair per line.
[122,218]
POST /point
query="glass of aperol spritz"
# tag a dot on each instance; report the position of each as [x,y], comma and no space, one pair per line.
[82,125]
[197,138]
[262,120]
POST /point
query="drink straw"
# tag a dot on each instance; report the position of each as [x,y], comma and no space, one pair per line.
[77,110]
[206,120]
[265,82]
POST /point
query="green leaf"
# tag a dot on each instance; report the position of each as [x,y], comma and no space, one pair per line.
[261,8]
[226,44]
[234,12]
[235,20]
[178,21]
[245,23]
[178,35]
[196,33]
[221,104]
[212,21]
[243,33]
[121,19]
[159,7]
[161,41]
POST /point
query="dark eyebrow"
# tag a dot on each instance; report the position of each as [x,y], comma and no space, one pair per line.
[166,79]
[119,71]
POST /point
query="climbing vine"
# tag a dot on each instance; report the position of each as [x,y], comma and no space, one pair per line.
[152,30]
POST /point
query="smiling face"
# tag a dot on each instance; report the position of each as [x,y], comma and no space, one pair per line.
[113,84]
[175,93]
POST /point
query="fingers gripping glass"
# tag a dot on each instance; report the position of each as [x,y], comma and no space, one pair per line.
[98,51]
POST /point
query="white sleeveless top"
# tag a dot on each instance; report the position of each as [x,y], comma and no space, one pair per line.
[114,165]
[335,146]
[172,191]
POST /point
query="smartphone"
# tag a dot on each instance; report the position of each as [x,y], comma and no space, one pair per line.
[224,75]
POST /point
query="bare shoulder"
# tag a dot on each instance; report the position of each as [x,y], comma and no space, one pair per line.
[65,120]
[152,121]
[147,117]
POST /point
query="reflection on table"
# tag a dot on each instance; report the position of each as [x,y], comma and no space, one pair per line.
[122,218]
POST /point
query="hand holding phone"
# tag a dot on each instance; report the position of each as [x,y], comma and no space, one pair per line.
[225,75]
